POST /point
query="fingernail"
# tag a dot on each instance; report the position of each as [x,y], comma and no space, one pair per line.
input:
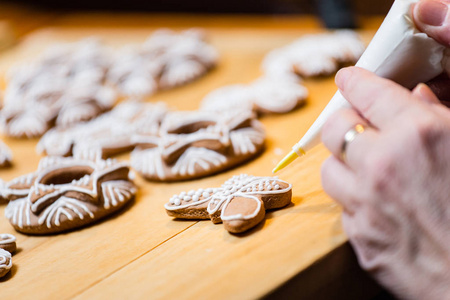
[342,77]
[432,13]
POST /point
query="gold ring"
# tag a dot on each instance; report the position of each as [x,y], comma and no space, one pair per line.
[349,137]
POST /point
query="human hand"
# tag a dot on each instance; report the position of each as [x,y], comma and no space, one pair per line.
[394,184]
[433,18]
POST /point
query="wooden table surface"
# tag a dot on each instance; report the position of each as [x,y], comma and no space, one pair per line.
[299,251]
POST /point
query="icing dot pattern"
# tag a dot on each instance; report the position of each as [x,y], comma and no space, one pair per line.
[213,202]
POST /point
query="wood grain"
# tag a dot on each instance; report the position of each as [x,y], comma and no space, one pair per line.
[141,252]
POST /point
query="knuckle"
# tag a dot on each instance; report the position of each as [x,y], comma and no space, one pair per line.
[426,132]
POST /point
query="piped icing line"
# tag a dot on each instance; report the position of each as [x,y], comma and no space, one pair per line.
[58,204]
[127,125]
[5,260]
[201,157]
[240,216]
[190,139]
[63,188]
[6,238]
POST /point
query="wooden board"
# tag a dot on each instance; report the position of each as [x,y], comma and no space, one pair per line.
[141,252]
[7,37]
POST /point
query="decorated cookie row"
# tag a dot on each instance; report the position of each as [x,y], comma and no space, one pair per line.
[168,146]
[73,83]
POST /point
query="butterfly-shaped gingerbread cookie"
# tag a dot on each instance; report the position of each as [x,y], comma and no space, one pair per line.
[240,203]
[66,193]
[195,144]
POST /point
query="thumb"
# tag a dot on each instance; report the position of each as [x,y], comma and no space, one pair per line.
[433,18]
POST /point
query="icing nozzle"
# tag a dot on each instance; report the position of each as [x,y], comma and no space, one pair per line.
[287,160]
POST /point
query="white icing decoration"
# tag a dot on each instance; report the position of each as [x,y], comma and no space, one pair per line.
[148,162]
[63,206]
[243,185]
[186,154]
[165,60]
[240,216]
[14,212]
[179,73]
[315,54]
[200,157]
[6,238]
[128,124]
[66,84]
[18,211]
[5,260]
[244,140]
[116,191]
[276,94]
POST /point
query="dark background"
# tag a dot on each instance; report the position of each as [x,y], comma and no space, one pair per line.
[363,7]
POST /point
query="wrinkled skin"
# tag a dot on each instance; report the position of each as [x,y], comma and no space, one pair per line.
[394,184]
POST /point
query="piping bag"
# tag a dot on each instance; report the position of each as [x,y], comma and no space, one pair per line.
[398,52]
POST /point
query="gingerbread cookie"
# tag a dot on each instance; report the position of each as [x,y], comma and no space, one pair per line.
[265,95]
[65,87]
[5,262]
[114,132]
[67,193]
[240,203]
[5,155]
[197,144]
[315,55]
[167,59]
[8,242]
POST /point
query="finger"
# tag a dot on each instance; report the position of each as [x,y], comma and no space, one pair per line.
[381,101]
[432,17]
[441,87]
[424,93]
[339,182]
[334,131]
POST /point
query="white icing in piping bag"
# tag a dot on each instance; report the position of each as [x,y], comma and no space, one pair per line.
[398,52]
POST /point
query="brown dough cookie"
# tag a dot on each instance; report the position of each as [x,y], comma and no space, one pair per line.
[166,60]
[65,86]
[315,54]
[67,193]
[240,203]
[266,95]
[5,262]
[113,132]
[196,144]
[8,242]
